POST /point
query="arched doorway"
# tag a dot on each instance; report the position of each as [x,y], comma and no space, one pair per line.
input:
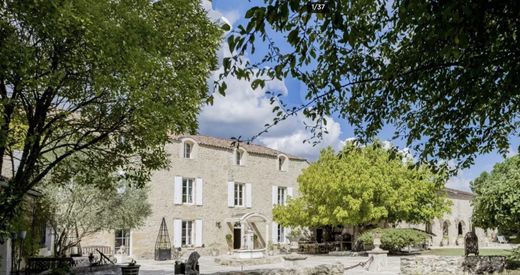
[460,228]
[445,233]
[248,235]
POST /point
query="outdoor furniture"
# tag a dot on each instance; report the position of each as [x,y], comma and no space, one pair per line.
[191,267]
[470,244]
[86,250]
[38,265]
[501,239]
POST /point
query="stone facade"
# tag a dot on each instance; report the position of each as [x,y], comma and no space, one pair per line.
[212,166]
[453,226]
[452,264]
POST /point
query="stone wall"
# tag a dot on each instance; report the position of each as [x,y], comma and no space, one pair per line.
[452,264]
[320,269]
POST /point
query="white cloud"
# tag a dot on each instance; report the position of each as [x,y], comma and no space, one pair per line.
[231,15]
[244,111]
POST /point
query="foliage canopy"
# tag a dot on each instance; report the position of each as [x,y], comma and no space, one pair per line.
[497,197]
[444,74]
[363,186]
[104,81]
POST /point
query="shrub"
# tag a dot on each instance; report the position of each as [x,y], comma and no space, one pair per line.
[513,260]
[394,239]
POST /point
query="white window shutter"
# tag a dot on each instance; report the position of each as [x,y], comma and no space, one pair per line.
[290,192]
[177,233]
[198,233]
[275,195]
[198,191]
[231,194]
[249,195]
[274,231]
[177,189]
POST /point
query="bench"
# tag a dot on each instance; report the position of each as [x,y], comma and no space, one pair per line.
[86,250]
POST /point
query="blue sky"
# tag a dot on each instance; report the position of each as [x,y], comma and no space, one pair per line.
[243,112]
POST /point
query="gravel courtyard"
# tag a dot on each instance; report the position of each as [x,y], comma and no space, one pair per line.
[208,265]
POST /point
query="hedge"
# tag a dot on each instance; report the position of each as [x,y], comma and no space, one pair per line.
[394,239]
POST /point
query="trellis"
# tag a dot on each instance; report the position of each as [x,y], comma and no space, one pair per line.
[163,248]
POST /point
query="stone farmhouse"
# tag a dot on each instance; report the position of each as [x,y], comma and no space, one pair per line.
[216,197]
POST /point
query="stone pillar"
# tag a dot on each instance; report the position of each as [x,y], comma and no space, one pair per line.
[5,257]
[378,255]
[379,260]
[249,239]
[242,235]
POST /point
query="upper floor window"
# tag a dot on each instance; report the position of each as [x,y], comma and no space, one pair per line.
[187,190]
[282,195]
[188,150]
[282,163]
[239,194]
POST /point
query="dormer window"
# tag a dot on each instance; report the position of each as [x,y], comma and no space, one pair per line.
[282,163]
[188,148]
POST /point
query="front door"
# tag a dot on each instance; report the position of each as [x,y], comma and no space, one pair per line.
[236,238]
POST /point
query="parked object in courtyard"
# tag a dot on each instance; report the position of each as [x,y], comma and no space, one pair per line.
[191,267]
[131,269]
[163,248]
[471,244]
[501,239]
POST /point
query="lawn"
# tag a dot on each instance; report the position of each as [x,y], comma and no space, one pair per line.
[460,252]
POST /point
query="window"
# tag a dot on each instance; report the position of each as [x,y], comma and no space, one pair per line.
[187,233]
[43,235]
[187,190]
[281,234]
[188,148]
[239,194]
[282,195]
[122,241]
[238,157]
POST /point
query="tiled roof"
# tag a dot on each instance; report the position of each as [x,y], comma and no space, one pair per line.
[458,192]
[228,144]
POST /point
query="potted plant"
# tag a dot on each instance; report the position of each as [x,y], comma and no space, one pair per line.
[270,248]
[229,240]
[131,269]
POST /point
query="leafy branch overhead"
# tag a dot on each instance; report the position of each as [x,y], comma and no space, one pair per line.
[105,82]
[443,74]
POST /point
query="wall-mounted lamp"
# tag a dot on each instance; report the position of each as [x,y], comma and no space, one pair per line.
[218,225]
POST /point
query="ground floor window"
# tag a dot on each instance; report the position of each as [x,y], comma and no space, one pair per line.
[187,232]
[281,234]
[122,241]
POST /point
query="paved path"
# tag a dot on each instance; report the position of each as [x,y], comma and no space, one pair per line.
[208,265]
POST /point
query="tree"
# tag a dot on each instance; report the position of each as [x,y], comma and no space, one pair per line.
[444,74]
[364,186]
[77,210]
[497,197]
[106,81]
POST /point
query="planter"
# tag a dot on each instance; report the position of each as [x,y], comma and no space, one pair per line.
[130,270]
